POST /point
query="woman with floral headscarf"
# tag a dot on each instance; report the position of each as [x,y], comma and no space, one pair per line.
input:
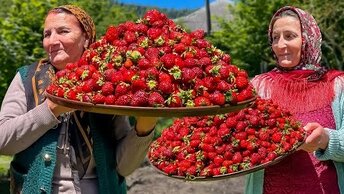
[314,95]
[57,149]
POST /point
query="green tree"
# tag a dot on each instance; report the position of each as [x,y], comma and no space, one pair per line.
[330,17]
[245,36]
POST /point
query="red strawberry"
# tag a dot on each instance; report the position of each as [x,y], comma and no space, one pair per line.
[179,48]
[218,98]
[218,160]
[88,85]
[197,34]
[111,34]
[121,89]
[51,89]
[138,84]
[98,98]
[151,53]
[168,60]
[255,158]
[202,101]
[202,43]
[241,135]
[237,158]
[241,82]
[153,33]
[245,94]
[165,87]
[174,101]
[155,99]
[144,63]
[124,100]
[223,86]
[110,99]
[107,88]
[129,37]
[71,94]
[188,75]
[141,27]
[140,98]
[231,122]
[276,137]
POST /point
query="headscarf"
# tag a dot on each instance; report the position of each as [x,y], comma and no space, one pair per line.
[308,86]
[84,19]
[311,43]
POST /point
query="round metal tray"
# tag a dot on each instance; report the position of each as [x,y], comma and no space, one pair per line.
[149,111]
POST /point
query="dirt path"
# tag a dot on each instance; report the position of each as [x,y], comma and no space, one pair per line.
[145,180]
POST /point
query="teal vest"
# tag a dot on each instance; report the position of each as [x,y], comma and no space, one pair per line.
[31,172]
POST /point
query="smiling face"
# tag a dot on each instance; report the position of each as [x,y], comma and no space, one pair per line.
[287,41]
[64,39]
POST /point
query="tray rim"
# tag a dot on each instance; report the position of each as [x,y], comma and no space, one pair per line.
[230,175]
[150,111]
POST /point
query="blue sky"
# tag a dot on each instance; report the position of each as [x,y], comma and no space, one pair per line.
[176,4]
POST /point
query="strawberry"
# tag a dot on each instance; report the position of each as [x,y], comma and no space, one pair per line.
[155,99]
[110,99]
[121,89]
[151,53]
[107,88]
[218,98]
[188,75]
[165,87]
[139,98]
[168,60]
[179,48]
[197,34]
[138,84]
[174,101]
[241,82]
[111,34]
[202,43]
[202,101]
[71,94]
[124,100]
[98,98]
[276,137]
[144,63]
[231,122]
[88,85]
[129,37]
[153,33]
[237,158]
[245,94]
[141,28]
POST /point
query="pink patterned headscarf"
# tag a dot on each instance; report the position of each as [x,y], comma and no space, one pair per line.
[311,42]
[308,86]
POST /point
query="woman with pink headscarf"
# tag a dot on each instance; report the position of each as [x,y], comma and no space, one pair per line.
[314,95]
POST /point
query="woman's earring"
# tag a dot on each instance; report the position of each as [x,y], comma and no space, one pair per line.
[86,44]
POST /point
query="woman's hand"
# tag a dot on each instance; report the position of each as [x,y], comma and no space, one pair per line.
[57,109]
[317,138]
[145,125]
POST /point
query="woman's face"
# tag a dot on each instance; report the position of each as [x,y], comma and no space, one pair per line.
[287,41]
[64,39]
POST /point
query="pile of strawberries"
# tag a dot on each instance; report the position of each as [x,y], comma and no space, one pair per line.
[153,62]
[223,144]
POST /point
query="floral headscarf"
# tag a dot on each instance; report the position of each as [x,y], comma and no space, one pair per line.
[308,86]
[311,42]
[84,19]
